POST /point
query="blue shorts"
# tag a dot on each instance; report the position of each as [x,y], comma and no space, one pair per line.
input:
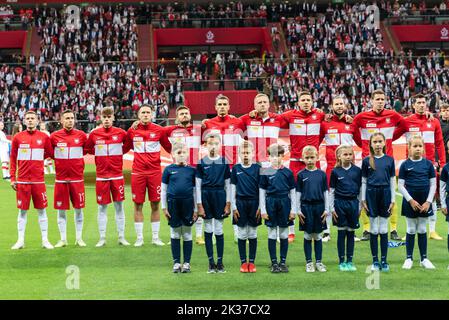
[420,196]
[247,209]
[313,221]
[278,210]
[181,212]
[378,200]
[214,202]
[348,213]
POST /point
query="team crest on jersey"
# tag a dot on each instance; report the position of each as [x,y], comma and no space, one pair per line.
[347,127]
[152,135]
[429,125]
[231,127]
[388,120]
[115,138]
[39,142]
[58,203]
[272,120]
[314,117]
[77,140]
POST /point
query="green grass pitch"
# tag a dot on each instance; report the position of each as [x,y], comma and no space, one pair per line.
[115,272]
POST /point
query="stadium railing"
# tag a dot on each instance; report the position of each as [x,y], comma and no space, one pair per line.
[419,19]
[210,23]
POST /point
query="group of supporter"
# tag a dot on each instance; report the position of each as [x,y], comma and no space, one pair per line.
[400,77]
[331,52]
[104,34]
[85,88]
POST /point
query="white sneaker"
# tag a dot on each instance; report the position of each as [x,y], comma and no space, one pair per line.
[158,242]
[139,242]
[80,243]
[320,267]
[356,239]
[326,238]
[408,264]
[47,245]
[310,267]
[60,244]
[123,242]
[176,268]
[19,245]
[101,243]
[185,267]
[427,264]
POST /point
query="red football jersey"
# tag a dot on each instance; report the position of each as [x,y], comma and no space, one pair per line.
[68,154]
[262,133]
[431,132]
[368,122]
[146,142]
[108,146]
[190,136]
[304,130]
[335,133]
[29,149]
[231,132]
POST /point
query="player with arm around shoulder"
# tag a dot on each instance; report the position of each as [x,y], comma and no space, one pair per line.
[146,141]
[178,204]
[417,184]
[344,203]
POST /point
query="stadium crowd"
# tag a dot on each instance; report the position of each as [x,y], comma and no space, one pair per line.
[331,52]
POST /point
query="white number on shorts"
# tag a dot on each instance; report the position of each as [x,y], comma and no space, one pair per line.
[81,197]
[44,196]
[158,189]
[121,189]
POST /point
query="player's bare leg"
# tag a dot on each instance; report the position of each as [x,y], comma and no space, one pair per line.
[79,218]
[62,226]
[43,224]
[155,223]
[102,219]
[120,221]
[21,226]
[138,223]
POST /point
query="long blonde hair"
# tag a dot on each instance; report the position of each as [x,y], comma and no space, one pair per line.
[339,151]
[371,150]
